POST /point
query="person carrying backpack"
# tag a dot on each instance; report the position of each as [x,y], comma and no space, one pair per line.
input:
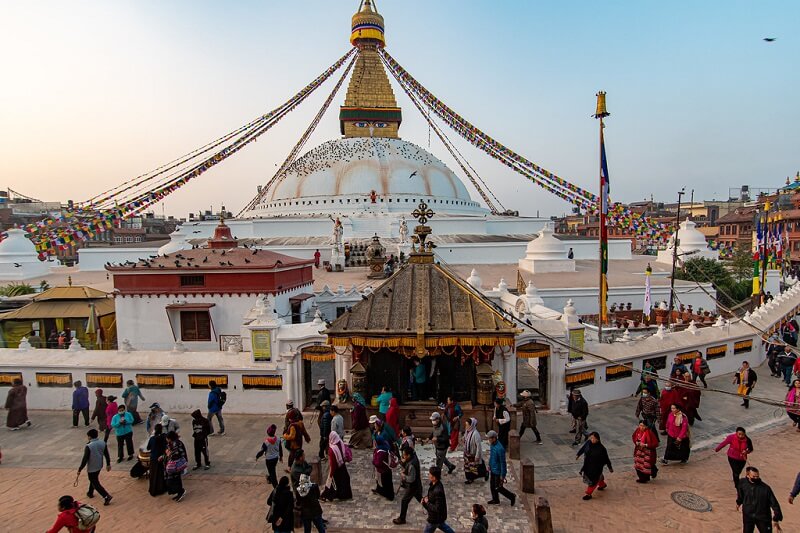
[216,399]
[76,517]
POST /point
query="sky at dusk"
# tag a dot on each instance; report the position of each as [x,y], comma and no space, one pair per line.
[94,93]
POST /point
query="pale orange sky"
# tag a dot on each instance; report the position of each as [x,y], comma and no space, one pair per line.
[94,93]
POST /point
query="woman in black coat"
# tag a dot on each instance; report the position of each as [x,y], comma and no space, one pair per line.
[595,457]
[281,503]
[157,445]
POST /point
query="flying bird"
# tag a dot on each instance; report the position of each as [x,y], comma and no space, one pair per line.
[412,174]
[769,39]
[17,265]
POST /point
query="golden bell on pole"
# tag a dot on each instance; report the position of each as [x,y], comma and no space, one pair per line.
[601,105]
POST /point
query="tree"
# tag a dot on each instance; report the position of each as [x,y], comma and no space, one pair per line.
[741,263]
[701,270]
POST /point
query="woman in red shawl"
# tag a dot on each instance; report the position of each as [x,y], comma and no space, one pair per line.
[452,416]
[393,416]
[668,396]
[645,442]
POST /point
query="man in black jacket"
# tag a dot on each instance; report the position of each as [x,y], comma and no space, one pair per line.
[579,411]
[436,503]
[201,429]
[755,498]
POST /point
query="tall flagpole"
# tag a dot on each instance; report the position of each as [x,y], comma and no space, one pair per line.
[600,113]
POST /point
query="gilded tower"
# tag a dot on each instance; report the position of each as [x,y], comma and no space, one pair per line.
[370,109]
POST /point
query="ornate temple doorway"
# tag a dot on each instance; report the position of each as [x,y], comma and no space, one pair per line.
[533,370]
[318,363]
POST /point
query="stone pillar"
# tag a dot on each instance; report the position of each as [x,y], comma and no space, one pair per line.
[557,396]
[513,444]
[292,378]
[316,468]
[345,362]
[527,482]
[541,511]
[510,375]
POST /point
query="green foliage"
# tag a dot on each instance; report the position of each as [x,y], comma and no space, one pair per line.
[741,264]
[16,289]
[730,291]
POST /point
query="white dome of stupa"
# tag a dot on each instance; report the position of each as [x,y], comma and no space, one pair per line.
[546,246]
[17,246]
[19,258]
[545,254]
[340,176]
[691,242]
[177,242]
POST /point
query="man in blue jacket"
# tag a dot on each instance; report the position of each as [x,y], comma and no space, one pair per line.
[497,468]
[215,408]
[80,404]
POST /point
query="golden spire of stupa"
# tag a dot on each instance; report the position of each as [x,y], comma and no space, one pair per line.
[370,108]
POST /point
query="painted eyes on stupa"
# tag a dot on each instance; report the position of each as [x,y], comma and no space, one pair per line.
[371,124]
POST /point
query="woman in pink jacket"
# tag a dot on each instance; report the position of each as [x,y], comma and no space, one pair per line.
[111,410]
[793,403]
[677,436]
[739,446]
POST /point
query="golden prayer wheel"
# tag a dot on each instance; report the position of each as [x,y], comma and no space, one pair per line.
[144,458]
[485,384]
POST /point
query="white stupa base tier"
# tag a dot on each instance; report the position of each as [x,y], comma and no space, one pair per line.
[545,266]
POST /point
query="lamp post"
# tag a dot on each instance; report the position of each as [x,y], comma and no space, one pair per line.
[675,244]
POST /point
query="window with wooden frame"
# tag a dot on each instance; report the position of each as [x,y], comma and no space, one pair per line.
[715,352]
[195,326]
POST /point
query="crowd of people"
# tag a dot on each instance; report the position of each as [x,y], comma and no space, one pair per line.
[670,412]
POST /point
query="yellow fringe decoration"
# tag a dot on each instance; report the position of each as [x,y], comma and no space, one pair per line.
[580,376]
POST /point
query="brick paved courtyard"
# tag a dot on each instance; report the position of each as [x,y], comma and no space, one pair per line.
[39,465]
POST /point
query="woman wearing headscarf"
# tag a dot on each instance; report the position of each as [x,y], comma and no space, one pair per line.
[273,451]
[595,457]
[383,471]
[338,484]
[157,446]
[677,437]
[645,442]
[474,467]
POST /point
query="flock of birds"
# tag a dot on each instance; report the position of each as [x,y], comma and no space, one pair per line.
[182,261]
[344,152]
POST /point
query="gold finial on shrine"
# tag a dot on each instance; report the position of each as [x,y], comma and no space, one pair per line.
[601,110]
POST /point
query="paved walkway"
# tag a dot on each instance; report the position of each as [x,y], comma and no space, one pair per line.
[615,421]
[39,464]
